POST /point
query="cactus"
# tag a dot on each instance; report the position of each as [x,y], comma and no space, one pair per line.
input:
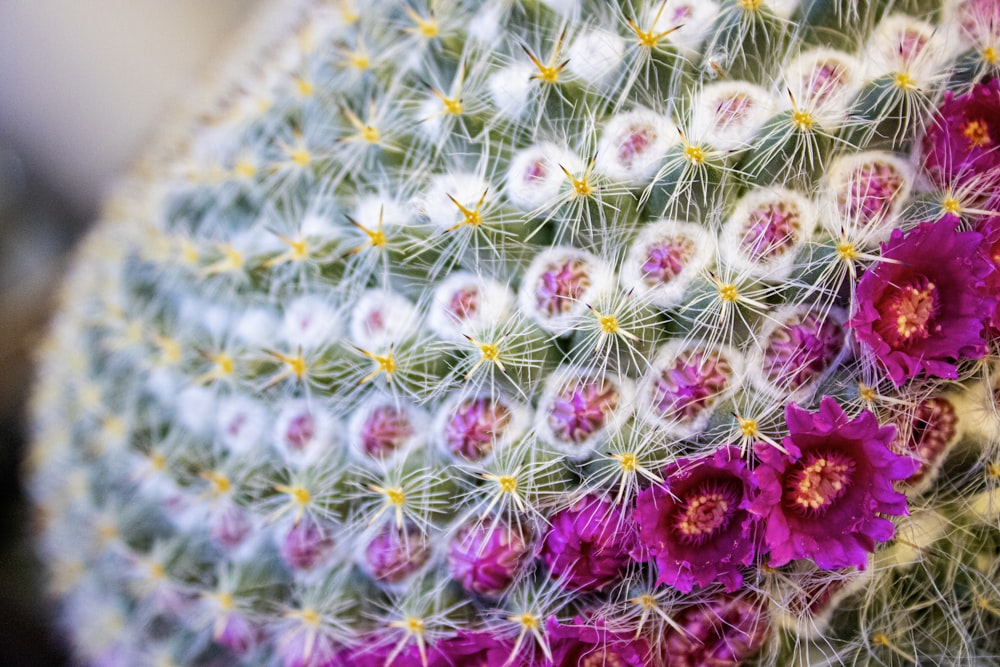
[551,332]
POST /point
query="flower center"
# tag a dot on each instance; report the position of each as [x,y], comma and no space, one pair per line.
[582,409]
[691,385]
[464,303]
[666,259]
[977,132]
[561,285]
[908,313]
[471,431]
[707,511]
[818,481]
[536,171]
[932,429]
[395,554]
[637,139]
[801,350]
[769,230]
[385,431]
[731,110]
[823,81]
[871,193]
[300,431]
[602,658]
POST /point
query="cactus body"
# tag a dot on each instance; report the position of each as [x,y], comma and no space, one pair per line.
[545,333]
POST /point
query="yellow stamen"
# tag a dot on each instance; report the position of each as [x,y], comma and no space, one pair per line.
[471,217]
[376,237]
[427,27]
[548,72]
[488,353]
[629,462]
[728,292]
[296,365]
[219,481]
[383,364]
[650,39]
[977,132]
[304,87]
[581,186]
[748,427]
[367,132]
[904,81]
[846,251]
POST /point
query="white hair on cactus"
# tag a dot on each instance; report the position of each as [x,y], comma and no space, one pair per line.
[535,177]
[633,144]
[806,599]
[865,193]
[685,384]
[693,20]
[596,56]
[310,322]
[385,431]
[558,285]
[304,432]
[256,327]
[977,406]
[440,201]
[195,409]
[727,114]
[510,88]
[382,318]
[915,535]
[823,82]
[241,423]
[665,258]
[579,410]
[765,232]
[465,304]
[491,417]
[906,48]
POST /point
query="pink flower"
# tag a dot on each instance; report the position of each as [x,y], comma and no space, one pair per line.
[394,554]
[923,309]
[307,544]
[485,556]
[990,252]
[722,632]
[588,544]
[697,525]
[471,649]
[585,644]
[965,140]
[824,499]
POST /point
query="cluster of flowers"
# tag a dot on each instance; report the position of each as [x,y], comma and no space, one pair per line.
[512,337]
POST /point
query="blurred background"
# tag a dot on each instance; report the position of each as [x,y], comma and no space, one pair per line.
[82,88]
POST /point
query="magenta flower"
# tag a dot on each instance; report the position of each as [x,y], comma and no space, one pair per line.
[990,252]
[924,310]
[376,650]
[926,435]
[824,499]
[485,556]
[965,141]
[307,544]
[394,554]
[697,525]
[588,544]
[585,644]
[722,632]
[236,633]
[474,426]
[471,649]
